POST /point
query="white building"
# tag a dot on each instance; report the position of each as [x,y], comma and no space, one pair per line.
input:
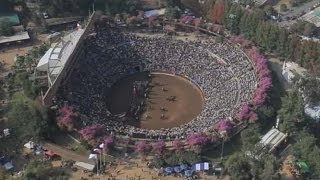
[313,112]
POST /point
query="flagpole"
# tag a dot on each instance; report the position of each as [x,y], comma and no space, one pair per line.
[104,156]
[100,161]
[97,167]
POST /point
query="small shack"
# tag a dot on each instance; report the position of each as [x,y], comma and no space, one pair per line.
[86,166]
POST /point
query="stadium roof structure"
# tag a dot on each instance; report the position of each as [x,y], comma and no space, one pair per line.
[21,36]
[312,17]
[55,58]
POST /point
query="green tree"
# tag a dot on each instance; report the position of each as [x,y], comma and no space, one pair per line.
[270,168]
[6,28]
[233,18]
[3,174]
[38,170]
[291,113]
[311,87]
[249,137]
[21,81]
[238,167]
[172,13]
[28,119]
[306,149]
[283,8]
[269,10]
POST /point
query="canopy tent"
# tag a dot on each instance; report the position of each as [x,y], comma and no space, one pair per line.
[6,163]
[303,167]
[177,169]
[29,145]
[188,173]
[201,166]
[184,166]
[84,165]
[7,166]
[156,12]
[168,170]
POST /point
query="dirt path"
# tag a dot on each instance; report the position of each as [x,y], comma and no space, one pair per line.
[67,154]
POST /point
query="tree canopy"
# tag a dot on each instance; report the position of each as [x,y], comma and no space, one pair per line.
[28,120]
[291,113]
[6,28]
[38,170]
[238,167]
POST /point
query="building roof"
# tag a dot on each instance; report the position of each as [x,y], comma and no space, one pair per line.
[267,143]
[273,138]
[84,165]
[17,37]
[65,20]
[155,12]
[313,112]
[303,167]
[313,17]
[11,17]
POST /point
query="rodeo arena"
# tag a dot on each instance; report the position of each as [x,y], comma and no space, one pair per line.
[144,84]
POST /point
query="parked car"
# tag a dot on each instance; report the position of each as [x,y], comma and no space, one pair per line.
[45,15]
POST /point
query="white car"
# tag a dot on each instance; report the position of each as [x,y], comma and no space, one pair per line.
[50,36]
[45,15]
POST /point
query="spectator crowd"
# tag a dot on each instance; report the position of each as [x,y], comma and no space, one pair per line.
[223,73]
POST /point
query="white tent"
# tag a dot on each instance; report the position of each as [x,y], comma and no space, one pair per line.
[29,145]
[8,166]
[84,165]
[201,166]
[313,112]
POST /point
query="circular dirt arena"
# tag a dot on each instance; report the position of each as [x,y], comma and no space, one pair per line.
[169,100]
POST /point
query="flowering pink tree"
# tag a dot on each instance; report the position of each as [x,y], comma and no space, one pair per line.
[224,125]
[253,117]
[186,19]
[66,117]
[196,141]
[243,112]
[142,147]
[177,145]
[91,132]
[263,76]
[158,147]
[197,22]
